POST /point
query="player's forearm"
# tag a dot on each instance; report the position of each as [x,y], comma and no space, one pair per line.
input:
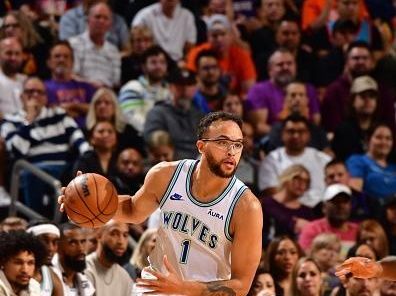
[218,288]
[125,212]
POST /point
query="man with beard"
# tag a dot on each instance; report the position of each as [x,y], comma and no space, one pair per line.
[104,266]
[210,91]
[209,241]
[295,137]
[21,253]
[179,117]
[11,80]
[48,234]
[62,89]
[266,99]
[137,97]
[70,263]
[337,210]
[359,62]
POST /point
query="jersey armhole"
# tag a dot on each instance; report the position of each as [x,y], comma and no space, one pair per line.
[172,183]
[231,212]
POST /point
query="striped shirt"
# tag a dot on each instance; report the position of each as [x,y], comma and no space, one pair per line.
[138,97]
[96,64]
[48,139]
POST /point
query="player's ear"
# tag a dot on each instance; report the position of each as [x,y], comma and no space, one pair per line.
[200,144]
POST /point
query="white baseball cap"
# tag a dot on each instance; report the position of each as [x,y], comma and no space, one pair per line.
[335,189]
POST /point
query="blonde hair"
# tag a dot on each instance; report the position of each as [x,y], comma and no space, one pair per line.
[140,31]
[294,291]
[30,37]
[291,172]
[159,138]
[118,118]
[140,254]
[324,240]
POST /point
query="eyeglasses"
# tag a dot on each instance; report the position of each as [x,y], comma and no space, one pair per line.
[12,25]
[226,144]
[31,91]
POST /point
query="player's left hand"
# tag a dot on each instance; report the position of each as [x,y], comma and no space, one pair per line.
[168,283]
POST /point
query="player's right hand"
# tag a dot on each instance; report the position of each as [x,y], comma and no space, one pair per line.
[61,198]
[358,267]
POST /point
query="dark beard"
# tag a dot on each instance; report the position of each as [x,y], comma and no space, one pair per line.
[75,265]
[215,168]
[121,260]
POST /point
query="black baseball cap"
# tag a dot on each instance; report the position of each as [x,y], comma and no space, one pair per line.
[182,77]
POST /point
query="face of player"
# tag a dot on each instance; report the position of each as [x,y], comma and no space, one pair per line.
[336,174]
[104,136]
[20,269]
[361,287]
[104,108]
[156,68]
[114,240]
[286,256]
[60,61]
[221,152]
[51,243]
[309,279]
[72,249]
[232,104]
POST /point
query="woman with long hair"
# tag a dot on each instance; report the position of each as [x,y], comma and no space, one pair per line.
[306,278]
[143,249]
[281,256]
[104,106]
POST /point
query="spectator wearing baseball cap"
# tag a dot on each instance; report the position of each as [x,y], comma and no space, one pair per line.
[178,116]
[337,210]
[235,62]
[350,137]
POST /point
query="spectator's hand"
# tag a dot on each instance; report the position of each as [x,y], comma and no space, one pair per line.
[61,198]
[32,109]
[358,267]
[299,223]
[70,109]
[265,293]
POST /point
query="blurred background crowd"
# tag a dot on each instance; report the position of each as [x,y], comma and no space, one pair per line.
[115,87]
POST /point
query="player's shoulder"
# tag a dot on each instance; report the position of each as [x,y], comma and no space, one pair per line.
[163,170]
[248,203]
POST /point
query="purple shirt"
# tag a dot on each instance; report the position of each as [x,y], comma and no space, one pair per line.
[266,95]
[72,91]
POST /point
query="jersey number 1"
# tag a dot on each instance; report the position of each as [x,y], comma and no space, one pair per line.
[185,250]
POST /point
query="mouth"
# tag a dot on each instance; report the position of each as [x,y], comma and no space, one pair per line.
[229,163]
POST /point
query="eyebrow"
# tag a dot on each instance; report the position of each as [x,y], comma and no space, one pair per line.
[228,138]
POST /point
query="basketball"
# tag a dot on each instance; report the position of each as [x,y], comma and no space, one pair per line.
[90,200]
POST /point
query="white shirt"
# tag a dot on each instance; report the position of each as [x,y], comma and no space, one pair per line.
[170,33]
[10,93]
[96,64]
[312,159]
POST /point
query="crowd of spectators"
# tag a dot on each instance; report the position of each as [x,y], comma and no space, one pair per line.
[114,87]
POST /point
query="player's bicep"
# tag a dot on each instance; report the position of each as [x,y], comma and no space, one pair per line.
[246,248]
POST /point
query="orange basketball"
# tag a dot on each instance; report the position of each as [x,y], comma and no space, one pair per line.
[90,200]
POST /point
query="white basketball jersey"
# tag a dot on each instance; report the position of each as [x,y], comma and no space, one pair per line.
[195,235]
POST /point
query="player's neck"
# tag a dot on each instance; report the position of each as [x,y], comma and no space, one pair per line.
[206,185]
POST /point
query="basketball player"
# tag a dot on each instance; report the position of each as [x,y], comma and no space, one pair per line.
[365,268]
[209,242]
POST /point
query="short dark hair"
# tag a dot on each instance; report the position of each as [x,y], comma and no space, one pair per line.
[295,118]
[212,117]
[358,44]
[333,162]
[67,226]
[14,242]
[62,43]
[153,51]
[206,53]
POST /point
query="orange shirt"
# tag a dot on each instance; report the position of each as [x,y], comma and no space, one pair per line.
[313,8]
[237,65]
